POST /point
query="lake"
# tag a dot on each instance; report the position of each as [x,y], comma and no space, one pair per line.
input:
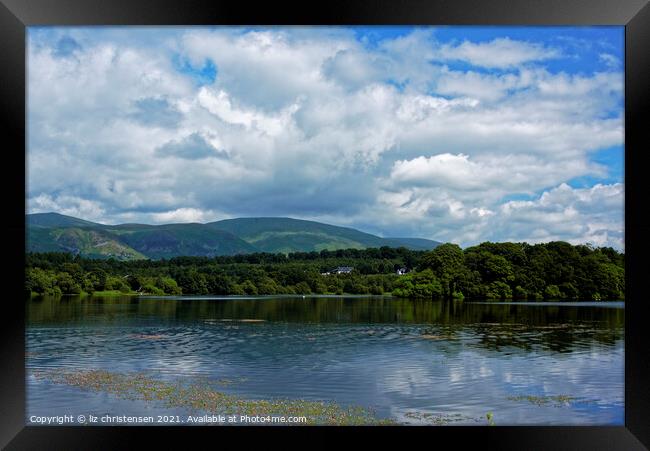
[411,362]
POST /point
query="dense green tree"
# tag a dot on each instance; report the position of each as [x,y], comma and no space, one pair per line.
[302,288]
[498,290]
[447,263]
[41,281]
[423,284]
[191,281]
[100,277]
[67,283]
[249,288]
[117,283]
[167,285]
[552,292]
[554,270]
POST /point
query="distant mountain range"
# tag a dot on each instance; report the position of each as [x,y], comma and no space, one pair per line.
[53,232]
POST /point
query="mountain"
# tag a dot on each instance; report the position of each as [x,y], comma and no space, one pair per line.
[417,244]
[57,220]
[173,240]
[89,242]
[52,232]
[292,235]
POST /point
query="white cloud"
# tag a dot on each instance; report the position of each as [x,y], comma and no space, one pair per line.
[577,215]
[312,123]
[182,215]
[498,53]
[193,147]
[220,105]
[476,85]
[610,60]
[67,205]
[498,173]
[416,108]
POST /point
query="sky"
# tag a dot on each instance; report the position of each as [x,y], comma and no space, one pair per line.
[456,134]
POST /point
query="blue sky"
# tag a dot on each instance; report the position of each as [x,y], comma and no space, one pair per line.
[461,134]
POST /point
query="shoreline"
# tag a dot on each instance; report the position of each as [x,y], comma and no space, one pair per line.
[207,297]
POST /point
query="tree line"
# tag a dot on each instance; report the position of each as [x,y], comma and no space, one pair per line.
[554,270]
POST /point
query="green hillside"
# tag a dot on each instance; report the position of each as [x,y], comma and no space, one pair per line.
[57,220]
[295,235]
[416,244]
[52,232]
[89,242]
[172,240]
[291,235]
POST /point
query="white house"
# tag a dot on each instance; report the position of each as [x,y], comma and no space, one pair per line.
[342,270]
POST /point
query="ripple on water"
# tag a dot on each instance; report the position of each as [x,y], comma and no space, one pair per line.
[432,368]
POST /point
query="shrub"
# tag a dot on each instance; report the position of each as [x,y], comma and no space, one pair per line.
[498,290]
[67,284]
[552,292]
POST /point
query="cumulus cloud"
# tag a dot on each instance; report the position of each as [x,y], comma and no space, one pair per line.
[611,61]
[67,205]
[393,137]
[581,215]
[192,147]
[500,173]
[184,215]
[578,215]
[156,112]
[498,53]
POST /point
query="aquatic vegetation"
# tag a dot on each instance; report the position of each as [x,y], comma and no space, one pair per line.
[438,419]
[232,320]
[556,401]
[225,382]
[146,336]
[438,337]
[322,349]
[199,395]
[557,326]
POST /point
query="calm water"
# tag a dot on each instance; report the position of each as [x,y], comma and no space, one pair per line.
[404,359]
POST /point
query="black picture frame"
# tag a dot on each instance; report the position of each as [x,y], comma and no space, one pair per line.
[16,15]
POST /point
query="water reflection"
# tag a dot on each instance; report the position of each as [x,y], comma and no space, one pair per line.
[560,328]
[406,359]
